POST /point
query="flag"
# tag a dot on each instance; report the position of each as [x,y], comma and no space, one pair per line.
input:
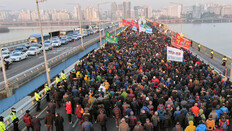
[142,28]
[148,30]
[110,38]
[135,24]
[128,23]
[124,22]
[180,42]
[154,23]
[134,28]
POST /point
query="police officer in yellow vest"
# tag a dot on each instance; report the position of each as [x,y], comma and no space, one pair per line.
[199,47]
[224,60]
[57,80]
[37,98]
[211,54]
[14,119]
[63,77]
[2,124]
[47,91]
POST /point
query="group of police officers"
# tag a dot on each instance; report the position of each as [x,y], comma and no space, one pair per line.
[14,117]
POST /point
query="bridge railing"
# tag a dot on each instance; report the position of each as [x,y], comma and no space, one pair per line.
[31,104]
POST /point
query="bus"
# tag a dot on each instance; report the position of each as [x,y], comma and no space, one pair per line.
[36,38]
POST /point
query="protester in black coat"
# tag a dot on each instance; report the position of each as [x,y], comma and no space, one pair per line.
[59,122]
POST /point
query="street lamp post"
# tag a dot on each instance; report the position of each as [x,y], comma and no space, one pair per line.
[99,24]
[44,52]
[4,75]
[79,15]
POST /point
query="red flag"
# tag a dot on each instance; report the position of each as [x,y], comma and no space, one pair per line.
[154,23]
[180,42]
[135,24]
[124,22]
[128,23]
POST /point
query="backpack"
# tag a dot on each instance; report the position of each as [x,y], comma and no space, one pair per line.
[224,125]
[210,124]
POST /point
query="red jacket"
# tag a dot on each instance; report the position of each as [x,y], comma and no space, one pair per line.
[195,110]
[27,120]
[69,108]
[79,111]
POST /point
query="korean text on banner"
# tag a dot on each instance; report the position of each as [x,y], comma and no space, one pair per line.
[174,54]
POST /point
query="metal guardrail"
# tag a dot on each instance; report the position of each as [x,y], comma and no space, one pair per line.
[20,112]
[15,81]
[11,44]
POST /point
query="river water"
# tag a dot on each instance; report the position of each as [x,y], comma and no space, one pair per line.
[216,36]
[21,33]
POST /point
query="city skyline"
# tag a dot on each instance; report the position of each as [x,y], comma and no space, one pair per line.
[67,4]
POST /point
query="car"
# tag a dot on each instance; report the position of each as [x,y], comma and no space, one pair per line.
[26,44]
[4,49]
[19,49]
[5,54]
[56,43]
[75,36]
[48,46]
[63,41]
[18,56]
[69,38]
[33,51]
[37,45]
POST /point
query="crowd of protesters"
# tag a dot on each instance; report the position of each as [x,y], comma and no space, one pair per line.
[133,83]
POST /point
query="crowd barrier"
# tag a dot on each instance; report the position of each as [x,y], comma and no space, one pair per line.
[31,104]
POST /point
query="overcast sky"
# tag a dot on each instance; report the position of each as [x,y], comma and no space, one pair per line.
[59,4]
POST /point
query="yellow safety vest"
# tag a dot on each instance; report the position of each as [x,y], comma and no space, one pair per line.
[46,89]
[37,96]
[57,80]
[224,59]
[199,45]
[13,116]
[63,76]
[2,126]
[211,52]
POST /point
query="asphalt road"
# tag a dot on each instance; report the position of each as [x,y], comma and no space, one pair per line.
[18,67]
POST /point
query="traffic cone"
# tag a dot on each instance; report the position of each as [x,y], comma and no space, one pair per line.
[52,48]
[36,54]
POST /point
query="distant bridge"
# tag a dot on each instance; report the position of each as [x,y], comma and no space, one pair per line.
[48,23]
[181,20]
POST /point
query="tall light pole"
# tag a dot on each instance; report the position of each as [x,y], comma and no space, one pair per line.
[79,15]
[44,52]
[4,75]
[99,22]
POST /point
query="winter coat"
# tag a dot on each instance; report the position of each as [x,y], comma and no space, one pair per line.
[191,127]
[59,123]
[79,112]
[48,119]
[177,128]
[101,118]
[27,119]
[123,127]
[201,127]
[117,112]
[138,128]
[68,108]
[148,127]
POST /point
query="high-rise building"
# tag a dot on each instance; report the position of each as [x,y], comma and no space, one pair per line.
[197,11]
[76,11]
[226,10]
[113,10]
[148,11]
[126,9]
[91,14]
[24,15]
